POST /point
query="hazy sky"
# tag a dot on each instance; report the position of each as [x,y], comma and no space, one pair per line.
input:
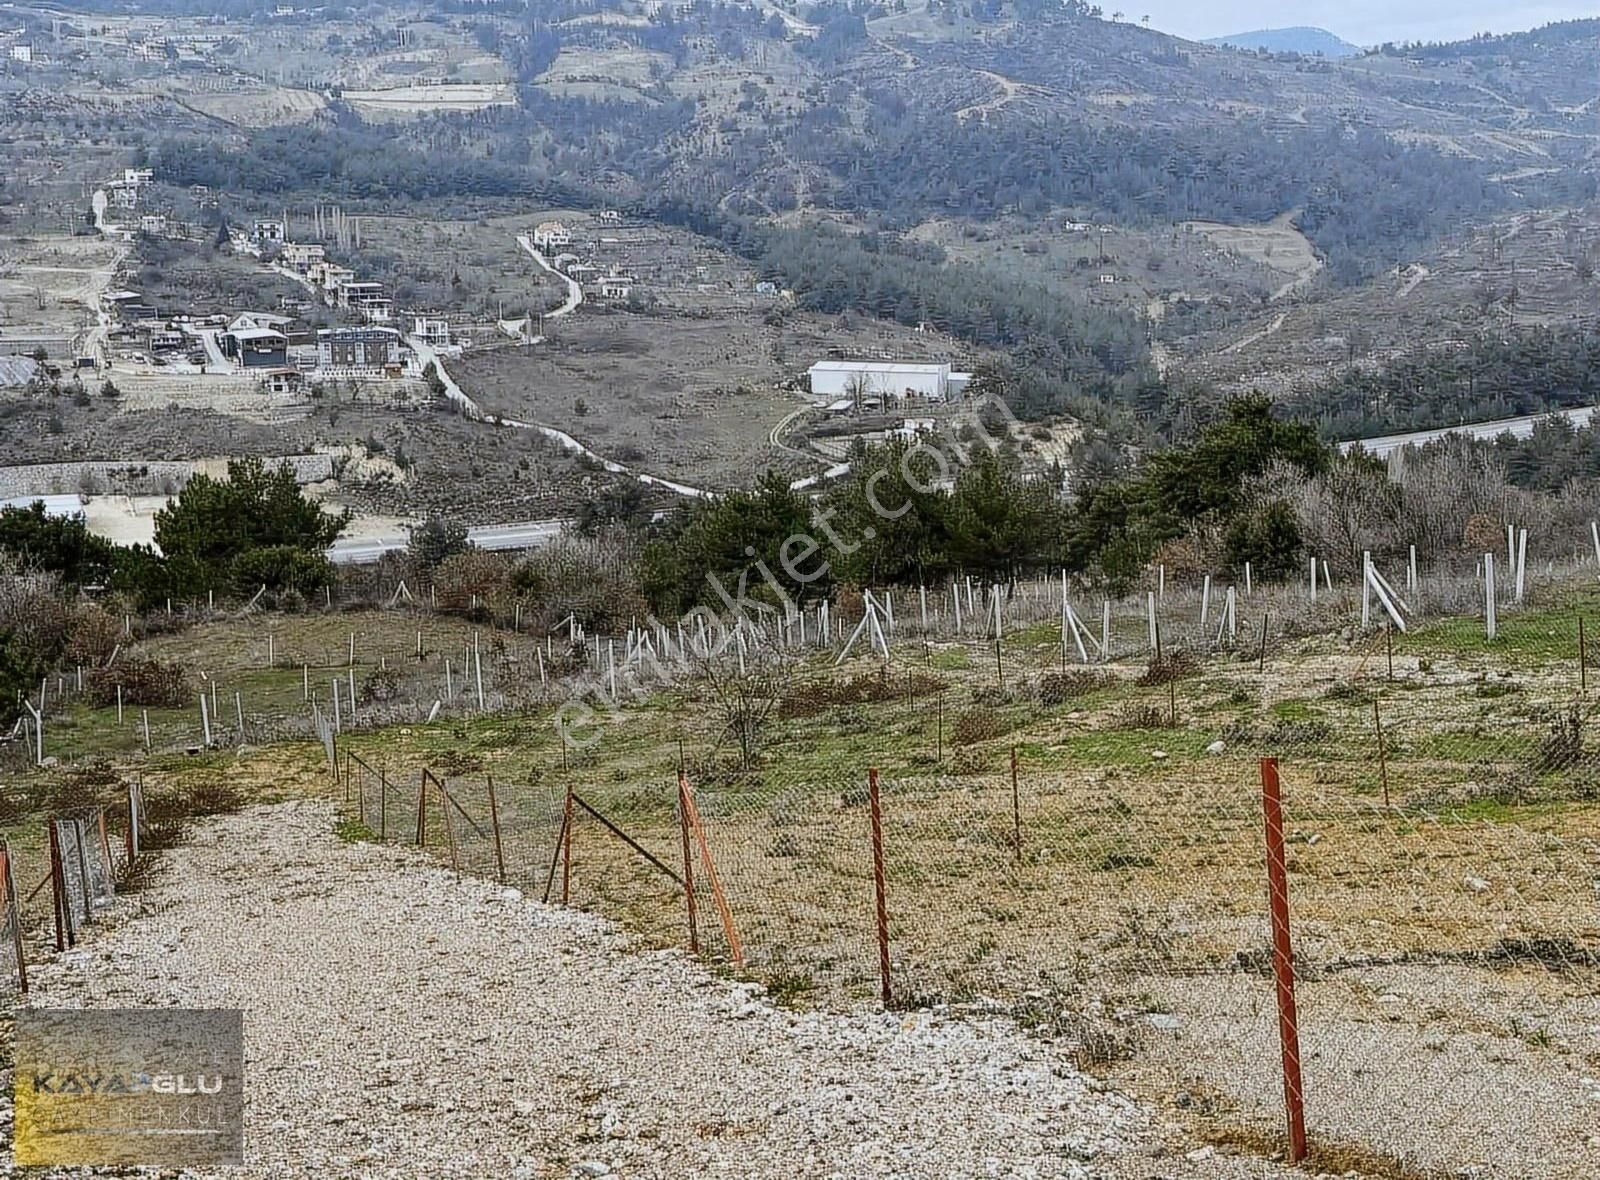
[1366,22]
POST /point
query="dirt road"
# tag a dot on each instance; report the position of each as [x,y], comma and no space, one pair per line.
[400,1022]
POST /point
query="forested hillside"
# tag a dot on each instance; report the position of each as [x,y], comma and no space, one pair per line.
[815,140]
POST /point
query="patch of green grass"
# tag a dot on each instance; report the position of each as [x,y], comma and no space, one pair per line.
[949,659]
[1296,709]
[353,831]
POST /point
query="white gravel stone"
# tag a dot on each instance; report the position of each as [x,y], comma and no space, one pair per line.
[402,1023]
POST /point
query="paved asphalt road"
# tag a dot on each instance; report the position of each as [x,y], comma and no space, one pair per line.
[528,534]
[1381,448]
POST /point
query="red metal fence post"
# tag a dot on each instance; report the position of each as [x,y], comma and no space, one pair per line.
[879,887]
[1283,960]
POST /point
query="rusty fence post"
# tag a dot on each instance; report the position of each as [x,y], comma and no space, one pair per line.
[128,839]
[566,850]
[449,824]
[422,811]
[555,858]
[879,888]
[1283,960]
[688,863]
[1583,660]
[494,824]
[718,897]
[57,892]
[1383,754]
[11,911]
[1016,809]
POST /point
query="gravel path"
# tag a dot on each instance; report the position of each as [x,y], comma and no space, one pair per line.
[401,1023]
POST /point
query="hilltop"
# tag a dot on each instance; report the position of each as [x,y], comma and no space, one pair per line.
[1302,39]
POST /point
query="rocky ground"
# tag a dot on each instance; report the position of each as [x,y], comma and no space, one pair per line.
[401,1022]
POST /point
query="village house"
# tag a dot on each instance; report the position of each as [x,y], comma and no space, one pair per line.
[154,224]
[434,331]
[266,232]
[610,217]
[256,348]
[283,382]
[301,256]
[365,349]
[123,196]
[331,276]
[137,176]
[351,294]
[551,235]
[375,309]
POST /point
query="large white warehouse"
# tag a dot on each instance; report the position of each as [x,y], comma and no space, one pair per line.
[892,380]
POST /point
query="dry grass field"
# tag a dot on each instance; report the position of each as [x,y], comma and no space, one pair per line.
[1441,882]
[690,397]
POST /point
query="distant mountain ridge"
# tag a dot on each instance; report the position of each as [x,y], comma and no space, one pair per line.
[1299,39]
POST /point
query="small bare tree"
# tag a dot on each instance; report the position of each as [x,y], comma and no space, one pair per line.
[746,688]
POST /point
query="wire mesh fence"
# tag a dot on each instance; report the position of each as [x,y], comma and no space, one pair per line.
[82,869]
[13,964]
[1086,849]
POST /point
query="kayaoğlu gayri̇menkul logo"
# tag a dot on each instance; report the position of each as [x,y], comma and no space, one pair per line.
[129,1086]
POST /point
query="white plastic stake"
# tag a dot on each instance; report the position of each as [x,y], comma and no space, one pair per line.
[1488,596]
[1366,588]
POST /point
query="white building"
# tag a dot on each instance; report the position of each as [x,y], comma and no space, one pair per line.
[267,233]
[434,331]
[154,224]
[137,175]
[890,380]
[332,276]
[301,256]
[22,53]
[551,235]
